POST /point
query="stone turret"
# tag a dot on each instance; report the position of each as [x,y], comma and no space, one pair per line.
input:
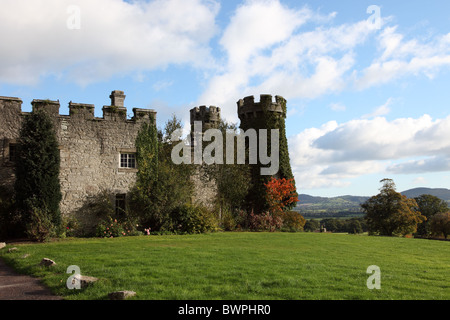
[209,117]
[265,114]
[256,114]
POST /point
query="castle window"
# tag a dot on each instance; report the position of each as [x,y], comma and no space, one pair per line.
[128,160]
[12,152]
[120,204]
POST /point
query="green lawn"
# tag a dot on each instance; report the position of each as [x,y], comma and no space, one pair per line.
[261,266]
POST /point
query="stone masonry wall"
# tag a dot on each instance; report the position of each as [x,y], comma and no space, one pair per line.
[90,147]
[10,124]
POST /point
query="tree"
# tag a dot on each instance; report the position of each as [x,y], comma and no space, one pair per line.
[440,224]
[391,213]
[161,186]
[37,186]
[429,206]
[354,226]
[293,221]
[281,195]
[311,225]
[233,180]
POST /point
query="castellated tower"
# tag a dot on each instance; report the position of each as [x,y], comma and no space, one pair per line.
[205,189]
[265,114]
[209,117]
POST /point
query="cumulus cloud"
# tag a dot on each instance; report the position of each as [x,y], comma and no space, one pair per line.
[305,58]
[335,152]
[400,57]
[310,56]
[431,164]
[114,37]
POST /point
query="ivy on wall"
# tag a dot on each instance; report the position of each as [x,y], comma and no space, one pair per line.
[266,118]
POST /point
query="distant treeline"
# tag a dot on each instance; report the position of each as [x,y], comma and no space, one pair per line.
[352,225]
[330,214]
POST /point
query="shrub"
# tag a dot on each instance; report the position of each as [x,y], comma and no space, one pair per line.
[11,224]
[228,220]
[265,222]
[39,227]
[69,227]
[110,229]
[191,219]
[113,228]
[293,221]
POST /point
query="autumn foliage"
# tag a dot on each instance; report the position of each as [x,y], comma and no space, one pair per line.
[281,195]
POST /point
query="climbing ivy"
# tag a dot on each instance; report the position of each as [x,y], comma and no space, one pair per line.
[268,119]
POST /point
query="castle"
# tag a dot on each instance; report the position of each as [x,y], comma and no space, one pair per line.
[98,154]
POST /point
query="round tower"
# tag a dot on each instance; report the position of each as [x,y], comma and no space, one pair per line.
[268,114]
[209,118]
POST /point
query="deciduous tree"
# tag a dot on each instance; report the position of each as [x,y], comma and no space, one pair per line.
[429,206]
[391,213]
[440,224]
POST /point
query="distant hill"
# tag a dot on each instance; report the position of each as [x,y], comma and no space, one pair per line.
[311,206]
[340,206]
[441,193]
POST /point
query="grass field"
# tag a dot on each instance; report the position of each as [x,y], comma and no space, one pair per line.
[236,266]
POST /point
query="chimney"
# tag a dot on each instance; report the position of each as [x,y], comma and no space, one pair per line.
[117,98]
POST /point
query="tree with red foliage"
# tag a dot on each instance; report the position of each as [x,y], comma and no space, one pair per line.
[281,195]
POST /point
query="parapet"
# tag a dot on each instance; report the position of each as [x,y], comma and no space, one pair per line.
[147,115]
[248,108]
[49,106]
[11,99]
[209,116]
[82,111]
[10,104]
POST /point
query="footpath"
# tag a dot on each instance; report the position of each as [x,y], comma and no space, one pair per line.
[14,286]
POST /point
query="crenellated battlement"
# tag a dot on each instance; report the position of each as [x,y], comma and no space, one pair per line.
[248,108]
[209,116]
[83,111]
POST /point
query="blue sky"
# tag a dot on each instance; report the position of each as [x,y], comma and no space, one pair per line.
[365,101]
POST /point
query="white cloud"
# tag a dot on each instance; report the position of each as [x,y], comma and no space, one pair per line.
[270,50]
[115,37]
[380,111]
[338,107]
[335,152]
[258,25]
[400,57]
[430,164]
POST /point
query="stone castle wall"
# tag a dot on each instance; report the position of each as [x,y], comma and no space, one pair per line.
[90,147]
[10,124]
